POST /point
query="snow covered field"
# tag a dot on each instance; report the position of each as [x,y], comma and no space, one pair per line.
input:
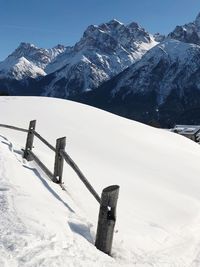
[158,214]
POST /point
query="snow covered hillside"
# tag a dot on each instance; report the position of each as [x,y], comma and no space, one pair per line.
[158,214]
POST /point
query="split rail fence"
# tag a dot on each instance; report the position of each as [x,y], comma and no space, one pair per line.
[109,196]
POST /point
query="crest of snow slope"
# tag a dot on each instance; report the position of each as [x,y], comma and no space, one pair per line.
[161,69]
[28,61]
[158,214]
[102,52]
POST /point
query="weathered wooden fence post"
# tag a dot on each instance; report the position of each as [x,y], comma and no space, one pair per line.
[58,165]
[107,218]
[29,140]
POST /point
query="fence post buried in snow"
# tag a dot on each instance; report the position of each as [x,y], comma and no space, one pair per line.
[29,140]
[58,165]
[107,218]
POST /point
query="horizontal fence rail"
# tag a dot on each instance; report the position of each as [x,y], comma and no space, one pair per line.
[62,153]
[108,199]
[13,128]
[73,165]
[44,141]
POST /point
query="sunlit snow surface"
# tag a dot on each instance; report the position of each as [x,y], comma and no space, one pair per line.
[158,214]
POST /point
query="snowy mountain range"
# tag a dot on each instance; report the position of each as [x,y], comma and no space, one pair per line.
[103,52]
[120,68]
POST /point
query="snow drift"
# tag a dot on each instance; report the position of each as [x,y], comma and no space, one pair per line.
[158,214]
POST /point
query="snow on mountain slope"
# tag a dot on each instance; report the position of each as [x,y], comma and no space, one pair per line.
[41,57]
[125,42]
[102,52]
[160,69]
[28,61]
[158,214]
[19,68]
[162,87]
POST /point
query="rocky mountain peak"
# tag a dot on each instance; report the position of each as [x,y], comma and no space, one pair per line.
[112,35]
[138,33]
[59,46]
[38,56]
[188,33]
[134,25]
[90,30]
[114,23]
[28,61]
[104,28]
[24,49]
[24,45]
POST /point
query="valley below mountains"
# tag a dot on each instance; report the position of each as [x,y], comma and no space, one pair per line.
[120,68]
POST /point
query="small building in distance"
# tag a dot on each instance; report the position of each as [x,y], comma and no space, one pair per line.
[190,131]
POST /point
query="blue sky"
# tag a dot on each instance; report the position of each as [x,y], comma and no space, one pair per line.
[49,22]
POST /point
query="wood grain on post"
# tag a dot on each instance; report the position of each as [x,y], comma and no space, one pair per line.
[58,165]
[29,140]
[107,219]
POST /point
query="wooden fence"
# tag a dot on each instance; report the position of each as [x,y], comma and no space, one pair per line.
[109,196]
